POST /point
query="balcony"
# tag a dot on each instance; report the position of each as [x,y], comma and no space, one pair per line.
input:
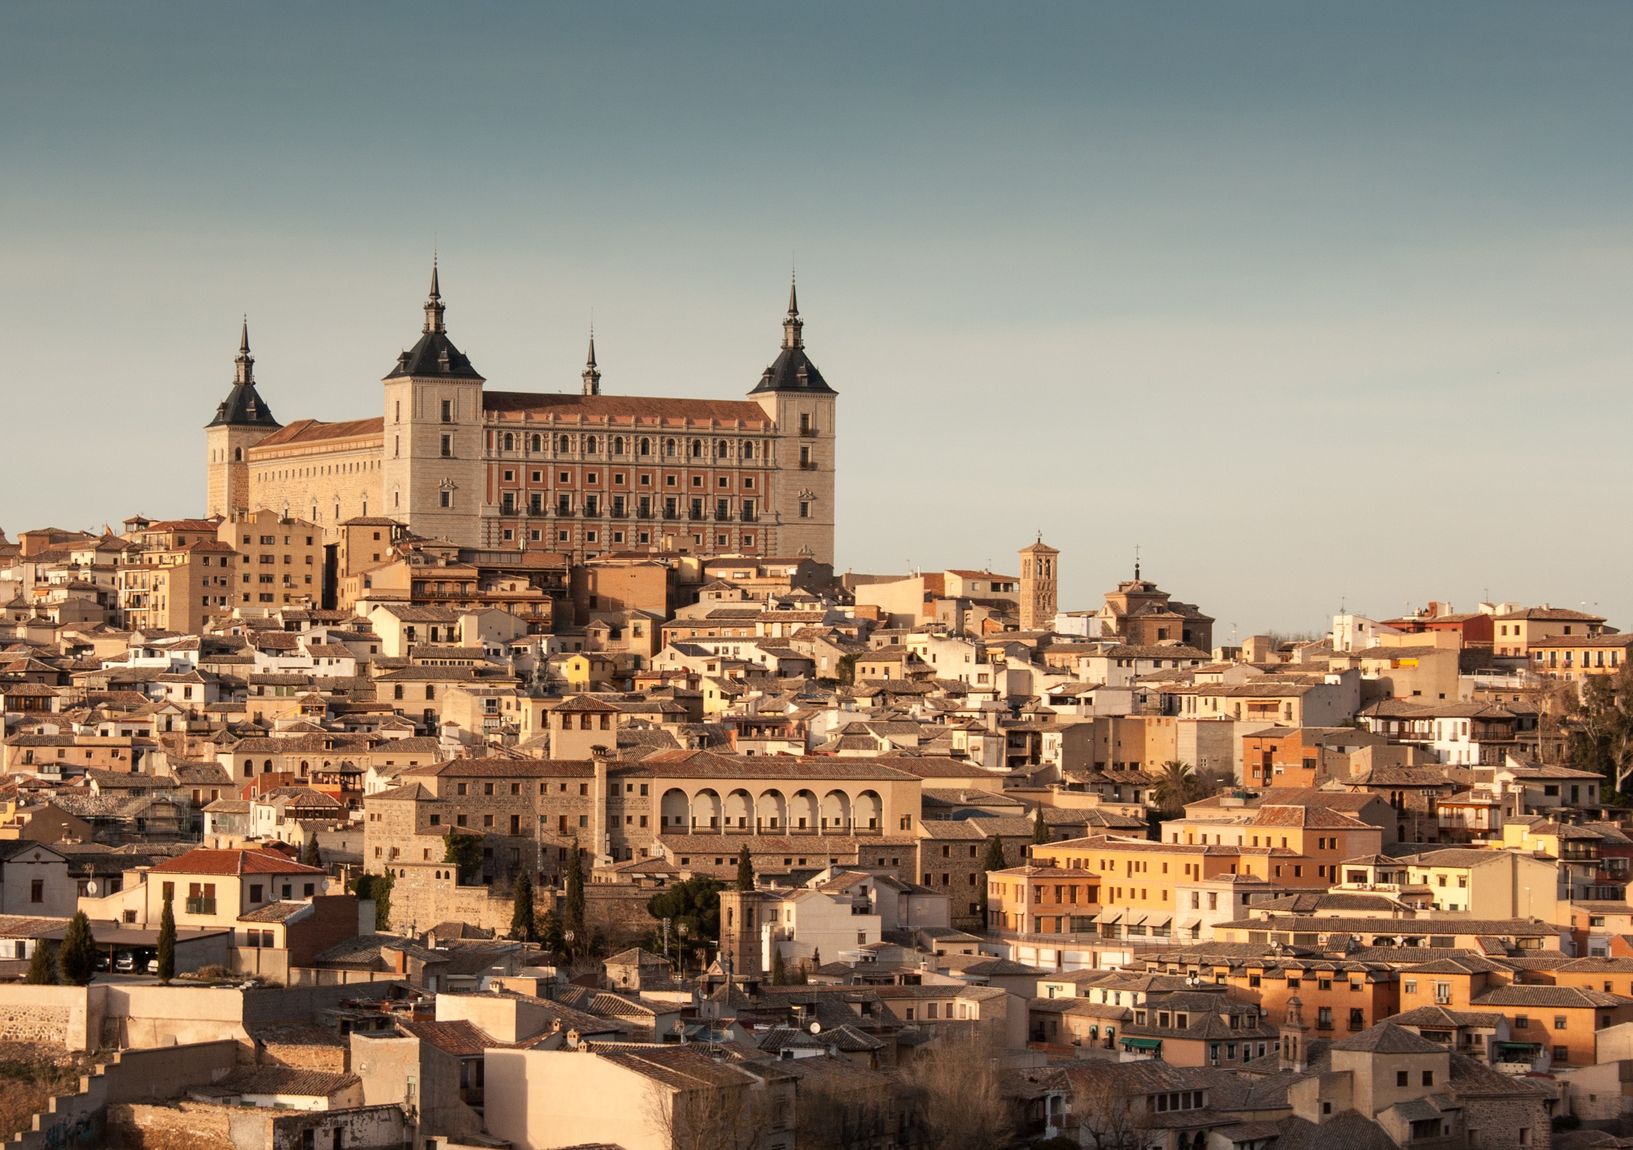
[201,906]
[750,517]
[807,433]
[807,465]
[566,512]
[618,513]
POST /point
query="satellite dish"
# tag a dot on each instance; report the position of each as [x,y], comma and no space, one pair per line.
[90,887]
[816,1028]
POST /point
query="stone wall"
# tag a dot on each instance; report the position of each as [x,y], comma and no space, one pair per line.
[173,1126]
[66,1016]
[133,1076]
[424,894]
[616,915]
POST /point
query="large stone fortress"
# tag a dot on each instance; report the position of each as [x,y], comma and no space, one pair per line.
[580,473]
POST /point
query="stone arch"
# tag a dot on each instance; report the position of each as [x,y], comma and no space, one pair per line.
[870,810]
[536,443]
[748,449]
[590,444]
[645,446]
[563,444]
[803,811]
[696,449]
[772,811]
[675,811]
[618,445]
[836,811]
[720,449]
[739,810]
[508,443]
[706,809]
[669,447]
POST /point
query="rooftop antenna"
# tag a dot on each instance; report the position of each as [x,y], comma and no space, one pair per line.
[1136,562]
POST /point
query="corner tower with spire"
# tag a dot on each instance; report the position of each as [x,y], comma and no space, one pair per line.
[241,421]
[801,405]
[432,439]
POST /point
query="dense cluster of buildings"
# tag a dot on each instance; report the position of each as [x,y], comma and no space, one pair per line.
[943,841]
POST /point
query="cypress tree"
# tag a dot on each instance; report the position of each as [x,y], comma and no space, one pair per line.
[42,967]
[779,971]
[572,910]
[523,926]
[745,870]
[167,942]
[76,957]
[309,853]
[1040,832]
[994,860]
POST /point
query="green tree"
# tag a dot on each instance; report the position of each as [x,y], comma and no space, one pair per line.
[465,852]
[309,853]
[1598,726]
[991,861]
[378,887]
[693,909]
[1176,785]
[1040,831]
[572,903]
[167,941]
[745,870]
[76,957]
[846,669]
[42,966]
[523,919]
[779,969]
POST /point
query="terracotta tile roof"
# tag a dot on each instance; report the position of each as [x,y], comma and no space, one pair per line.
[236,861]
[315,430]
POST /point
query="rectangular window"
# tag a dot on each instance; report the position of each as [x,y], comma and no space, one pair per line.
[447,446]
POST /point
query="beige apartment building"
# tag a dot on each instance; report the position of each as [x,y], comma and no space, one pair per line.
[280,561]
[581,472]
[176,588]
[1515,632]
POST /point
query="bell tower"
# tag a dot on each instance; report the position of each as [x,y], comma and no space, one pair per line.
[241,421]
[1040,570]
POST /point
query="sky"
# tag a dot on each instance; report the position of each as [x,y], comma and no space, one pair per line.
[1317,305]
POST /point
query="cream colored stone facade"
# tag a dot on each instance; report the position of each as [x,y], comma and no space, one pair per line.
[584,473]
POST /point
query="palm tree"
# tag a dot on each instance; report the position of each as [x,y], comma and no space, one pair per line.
[1176,785]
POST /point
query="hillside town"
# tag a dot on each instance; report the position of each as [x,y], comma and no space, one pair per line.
[347,833]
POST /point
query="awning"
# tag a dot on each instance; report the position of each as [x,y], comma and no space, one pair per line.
[1151,1044]
[1531,1049]
[1108,917]
[1136,919]
[1162,920]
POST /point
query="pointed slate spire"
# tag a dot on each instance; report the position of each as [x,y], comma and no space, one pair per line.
[244,365]
[433,302]
[793,327]
[243,406]
[591,375]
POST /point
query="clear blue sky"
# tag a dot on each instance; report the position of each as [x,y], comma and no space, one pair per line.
[1310,301]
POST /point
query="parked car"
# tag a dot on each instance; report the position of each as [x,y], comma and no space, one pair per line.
[125,963]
